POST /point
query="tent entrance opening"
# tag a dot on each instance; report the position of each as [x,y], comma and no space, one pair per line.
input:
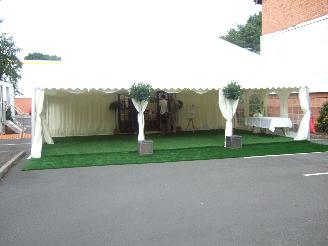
[127,115]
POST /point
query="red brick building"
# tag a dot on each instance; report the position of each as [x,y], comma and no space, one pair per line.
[278,15]
[24,104]
[297,31]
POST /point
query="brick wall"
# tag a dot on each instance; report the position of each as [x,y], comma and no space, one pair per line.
[294,109]
[23,104]
[281,14]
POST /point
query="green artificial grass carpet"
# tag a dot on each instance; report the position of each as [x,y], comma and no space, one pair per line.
[126,143]
[116,150]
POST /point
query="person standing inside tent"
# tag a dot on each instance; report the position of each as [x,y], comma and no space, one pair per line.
[163,114]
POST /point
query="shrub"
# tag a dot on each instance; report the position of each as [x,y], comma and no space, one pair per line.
[140,91]
[232,91]
[322,125]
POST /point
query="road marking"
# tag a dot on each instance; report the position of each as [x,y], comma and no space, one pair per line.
[315,174]
[261,156]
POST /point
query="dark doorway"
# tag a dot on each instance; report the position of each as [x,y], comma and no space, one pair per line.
[127,114]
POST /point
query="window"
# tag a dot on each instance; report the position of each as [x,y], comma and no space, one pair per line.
[255,105]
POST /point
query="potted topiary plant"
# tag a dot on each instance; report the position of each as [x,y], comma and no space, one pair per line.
[114,106]
[140,94]
[228,101]
[232,91]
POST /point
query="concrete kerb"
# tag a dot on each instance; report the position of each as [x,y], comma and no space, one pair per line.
[4,169]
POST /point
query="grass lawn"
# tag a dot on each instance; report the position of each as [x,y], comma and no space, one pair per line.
[122,149]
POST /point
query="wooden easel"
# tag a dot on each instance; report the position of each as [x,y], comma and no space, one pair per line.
[191,116]
[191,120]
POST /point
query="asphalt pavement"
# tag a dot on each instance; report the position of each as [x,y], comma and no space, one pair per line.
[9,148]
[256,201]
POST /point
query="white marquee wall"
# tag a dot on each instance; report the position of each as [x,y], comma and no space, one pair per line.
[299,54]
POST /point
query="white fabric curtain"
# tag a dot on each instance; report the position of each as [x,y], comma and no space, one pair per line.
[140,107]
[263,96]
[283,99]
[45,131]
[82,114]
[37,130]
[304,129]
[207,113]
[40,131]
[246,95]
[228,109]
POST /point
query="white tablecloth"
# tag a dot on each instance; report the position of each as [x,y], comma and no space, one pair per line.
[269,122]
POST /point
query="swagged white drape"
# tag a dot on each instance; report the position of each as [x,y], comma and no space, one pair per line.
[228,109]
[140,107]
[304,128]
[283,99]
[40,130]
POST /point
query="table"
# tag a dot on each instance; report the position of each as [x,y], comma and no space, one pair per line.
[270,123]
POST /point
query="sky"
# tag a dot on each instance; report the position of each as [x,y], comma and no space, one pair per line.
[98,29]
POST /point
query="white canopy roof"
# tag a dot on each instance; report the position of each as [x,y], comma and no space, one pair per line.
[202,66]
[298,53]
[188,66]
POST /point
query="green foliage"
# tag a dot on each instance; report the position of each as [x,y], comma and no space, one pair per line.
[140,91]
[10,65]
[40,56]
[232,91]
[248,35]
[322,125]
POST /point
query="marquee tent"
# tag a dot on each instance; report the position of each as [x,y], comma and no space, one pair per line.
[72,99]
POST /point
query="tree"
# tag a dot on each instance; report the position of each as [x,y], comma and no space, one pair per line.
[10,65]
[248,35]
[40,56]
[322,125]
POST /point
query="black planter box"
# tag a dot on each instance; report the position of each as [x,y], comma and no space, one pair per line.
[233,142]
[145,147]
